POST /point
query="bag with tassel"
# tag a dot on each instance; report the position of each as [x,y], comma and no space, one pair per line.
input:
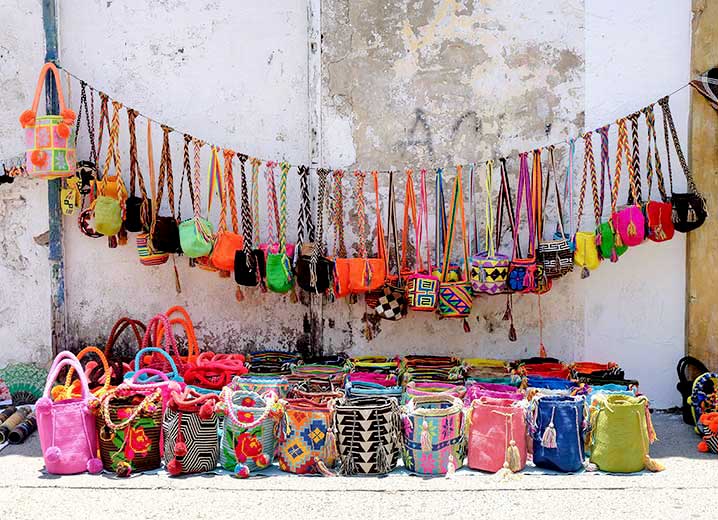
[191,433]
[67,429]
[557,426]
[586,243]
[497,435]
[556,254]
[196,233]
[629,222]
[248,442]
[307,444]
[659,219]
[456,298]
[375,418]
[621,434]
[434,442]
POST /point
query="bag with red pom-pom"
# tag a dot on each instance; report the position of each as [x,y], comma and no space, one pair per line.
[49,139]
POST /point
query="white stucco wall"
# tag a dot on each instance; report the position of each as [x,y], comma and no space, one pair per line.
[237,74]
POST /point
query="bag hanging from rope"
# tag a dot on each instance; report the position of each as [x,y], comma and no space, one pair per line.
[196,233]
[49,139]
[249,440]
[164,233]
[98,376]
[313,269]
[389,301]
[497,435]
[130,430]
[137,209]
[342,264]
[556,254]
[585,247]
[228,242]
[489,268]
[280,278]
[629,221]
[455,297]
[68,434]
[191,433]
[610,246]
[422,287]
[658,213]
[689,209]
[249,263]
[368,435]
[621,433]
[86,171]
[109,207]
[557,424]
[434,442]
[307,443]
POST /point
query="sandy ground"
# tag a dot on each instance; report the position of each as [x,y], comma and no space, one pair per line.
[685,490]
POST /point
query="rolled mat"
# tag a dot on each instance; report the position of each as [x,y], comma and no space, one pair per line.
[12,422]
[23,430]
[6,413]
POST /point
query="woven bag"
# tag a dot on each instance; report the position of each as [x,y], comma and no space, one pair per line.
[307,443]
[557,427]
[497,435]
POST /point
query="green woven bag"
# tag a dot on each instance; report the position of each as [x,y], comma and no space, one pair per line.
[196,237]
[608,242]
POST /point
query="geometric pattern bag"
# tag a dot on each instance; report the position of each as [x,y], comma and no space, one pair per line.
[434,442]
[49,139]
[190,430]
[306,440]
[555,255]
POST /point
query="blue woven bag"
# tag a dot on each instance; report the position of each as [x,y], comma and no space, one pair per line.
[550,383]
[557,424]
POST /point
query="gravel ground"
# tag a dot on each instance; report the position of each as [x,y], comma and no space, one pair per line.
[681,491]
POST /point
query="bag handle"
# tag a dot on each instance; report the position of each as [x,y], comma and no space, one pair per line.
[552,174]
[153,373]
[105,366]
[67,359]
[215,184]
[89,119]
[152,337]
[165,175]
[186,174]
[318,249]
[229,198]
[381,245]
[523,192]
[283,178]
[422,227]
[190,400]
[153,398]
[231,409]
[305,222]
[175,375]
[151,170]
[391,229]
[247,231]
[409,211]
[653,142]
[113,155]
[185,320]
[568,185]
[255,163]
[272,210]
[622,148]
[28,117]
[457,204]
[488,213]
[605,165]
[440,219]
[135,170]
[474,232]
[504,204]
[340,249]
[589,164]
[537,195]
[118,328]
[360,177]
[634,163]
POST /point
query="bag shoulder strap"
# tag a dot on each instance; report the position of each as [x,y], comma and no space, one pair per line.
[668,123]
[272,210]
[422,226]
[283,179]
[67,114]
[621,149]
[89,119]
[605,166]
[305,226]
[318,249]
[457,204]
[340,248]
[653,164]
[523,192]
[504,205]
[552,175]
[186,174]
[489,225]
[440,220]
[589,165]
[247,231]
[410,218]
[256,163]
[135,170]
[230,195]
[634,164]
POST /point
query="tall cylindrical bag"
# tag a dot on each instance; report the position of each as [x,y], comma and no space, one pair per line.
[557,426]
[497,435]
[307,443]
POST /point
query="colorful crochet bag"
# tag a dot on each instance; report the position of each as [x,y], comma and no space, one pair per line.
[68,434]
[49,139]
[249,438]
[368,435]
[422,288]
[307,443]
[629,221]
[585,249]
[434,442]
[557,425]
[197,233]
[191,433]
[704,396]
[497,435]
[708,426]
[455,297]
[280,277]
[99,377]
[130,429]
[556,254]
[621,433]
[227,242]
[658,213]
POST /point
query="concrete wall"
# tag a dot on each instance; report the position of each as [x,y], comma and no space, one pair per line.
[418,84]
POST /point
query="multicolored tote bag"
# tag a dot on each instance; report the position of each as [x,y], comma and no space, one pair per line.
[368,435]
[434,442]
[621,434]
[130,429]
[422,288]
[497,435]
[49,139]
[191,433]
[307,443]
[557,426]
[249,431]
[68,434]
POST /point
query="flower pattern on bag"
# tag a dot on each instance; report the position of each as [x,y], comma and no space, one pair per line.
[247,446]
[137,443]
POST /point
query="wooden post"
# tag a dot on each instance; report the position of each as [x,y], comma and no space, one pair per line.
[314,80]
[55,253]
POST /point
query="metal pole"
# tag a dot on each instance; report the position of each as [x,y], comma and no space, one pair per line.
[55,253]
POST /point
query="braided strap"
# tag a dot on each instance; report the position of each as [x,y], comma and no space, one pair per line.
[360,177]
[113,152]
[246,212]
[305,208]
[668,118]
[284,169]
[621,148]
[135,171]
[104,121]
[186,174]
[635,172]
[151,400]
[318,248]
[653,143]
[605,164]
[197,146]
[229,193]
[340,248]
[273,212]
[256,163]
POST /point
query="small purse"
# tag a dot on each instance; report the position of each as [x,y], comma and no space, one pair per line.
[228,242]
[555,255]
[585,248]
[280,277]
[137,209]
[455,298]
[249,265]
[658,213]
[342,264]
[610,246]
[196,233]
[629,222]
[49,139]
[422,288]
[164,233]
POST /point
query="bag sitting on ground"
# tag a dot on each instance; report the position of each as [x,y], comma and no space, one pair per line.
[497,435]
[557,426]
[704,396]
[307,443]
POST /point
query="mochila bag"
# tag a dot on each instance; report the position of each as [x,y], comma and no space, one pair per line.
[708,426]
[190,429]
[585,253]
[196,233]
[557,426]
[689,209]
[629,222]
[49,139]
[489,269]
[249,265]
[249,439]
[137,209]
[422,288]
[164,233]
[227,242]
[556,254]
[68,434]
[261,385]
[280,277]
[368,435]
[455,298]
[610,246]
[307,443]
[659,219]
[130,430]
[621,434]
[496,435]
[434,442]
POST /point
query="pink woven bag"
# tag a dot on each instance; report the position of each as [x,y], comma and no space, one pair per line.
[496,390]
[497,435]
[68,435]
